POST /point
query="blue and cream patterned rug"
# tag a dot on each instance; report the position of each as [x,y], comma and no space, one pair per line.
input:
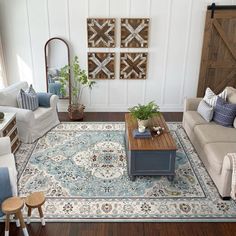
[82,169]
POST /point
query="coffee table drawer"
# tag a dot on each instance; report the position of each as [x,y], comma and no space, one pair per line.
[151,163]
[160,162]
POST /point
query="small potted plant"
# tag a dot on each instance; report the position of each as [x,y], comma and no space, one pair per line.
[143,113]
[79,81]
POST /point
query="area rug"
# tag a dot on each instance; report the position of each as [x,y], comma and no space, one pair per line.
[82,169]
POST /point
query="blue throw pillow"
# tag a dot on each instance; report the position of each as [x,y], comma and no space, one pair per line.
[44,99]
[224,113]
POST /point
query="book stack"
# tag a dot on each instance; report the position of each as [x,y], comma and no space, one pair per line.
[145,134]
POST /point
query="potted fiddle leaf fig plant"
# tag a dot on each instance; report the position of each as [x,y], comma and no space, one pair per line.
[143,113]
[79,81]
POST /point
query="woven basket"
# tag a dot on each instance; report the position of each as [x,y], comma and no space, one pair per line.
[76,112]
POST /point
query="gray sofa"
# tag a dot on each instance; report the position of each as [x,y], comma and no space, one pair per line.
[212,143]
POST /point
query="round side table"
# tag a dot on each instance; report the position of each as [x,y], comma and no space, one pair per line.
[11,206]
[35,200]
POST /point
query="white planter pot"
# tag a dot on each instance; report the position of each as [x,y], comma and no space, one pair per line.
[144,123]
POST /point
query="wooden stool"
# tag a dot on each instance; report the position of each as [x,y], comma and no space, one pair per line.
[11,206]
[35,200]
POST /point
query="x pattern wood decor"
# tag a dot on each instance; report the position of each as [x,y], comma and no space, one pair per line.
[101,65]
[101,33]
[134,33]
[133,65]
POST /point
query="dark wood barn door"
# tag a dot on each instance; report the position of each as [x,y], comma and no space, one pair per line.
[218,63]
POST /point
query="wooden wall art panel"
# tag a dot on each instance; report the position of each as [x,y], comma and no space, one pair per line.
[133,65]
[134,33]
[101,33]
[101,65]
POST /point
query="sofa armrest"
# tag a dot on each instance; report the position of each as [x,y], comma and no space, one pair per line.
[191,104]
[228,162]
[5,146]
[53,101]
[22,115]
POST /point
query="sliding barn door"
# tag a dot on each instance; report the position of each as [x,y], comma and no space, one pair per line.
[218,63]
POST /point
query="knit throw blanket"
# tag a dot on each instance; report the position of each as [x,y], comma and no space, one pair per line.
[233,184]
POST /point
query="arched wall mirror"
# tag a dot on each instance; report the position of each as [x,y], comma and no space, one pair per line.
[57,55]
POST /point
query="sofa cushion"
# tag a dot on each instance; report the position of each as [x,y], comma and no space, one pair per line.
[210,97]
[214,133]
[215,153]
[193,118]
[8,95]
[224,113]
[42,114]
[205,110]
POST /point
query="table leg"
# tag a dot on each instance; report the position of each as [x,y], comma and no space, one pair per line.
[22,223]
[29,215]
[132,177]
[7,225]
[170,177]
[41,215]
[17,221]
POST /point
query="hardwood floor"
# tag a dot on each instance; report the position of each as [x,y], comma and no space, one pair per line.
[124,229]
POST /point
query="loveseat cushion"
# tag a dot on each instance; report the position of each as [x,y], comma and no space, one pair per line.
[193,118]
[214,133]
[215,153]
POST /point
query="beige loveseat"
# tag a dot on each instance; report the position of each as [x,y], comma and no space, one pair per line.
[212,142]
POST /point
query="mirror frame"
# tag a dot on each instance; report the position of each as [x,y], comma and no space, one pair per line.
[68,58]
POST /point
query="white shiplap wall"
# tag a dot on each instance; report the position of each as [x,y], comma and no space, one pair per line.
[175,42]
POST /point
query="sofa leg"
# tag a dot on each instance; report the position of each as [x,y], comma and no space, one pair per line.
[225,198]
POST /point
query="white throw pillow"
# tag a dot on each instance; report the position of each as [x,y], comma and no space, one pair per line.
[210,97]
[205,110]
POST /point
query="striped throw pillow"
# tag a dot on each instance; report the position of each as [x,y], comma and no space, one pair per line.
[205,110]
[28,99]
[224,113]
[210,97]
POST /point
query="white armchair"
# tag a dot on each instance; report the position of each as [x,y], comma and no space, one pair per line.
[7,160]
[31,125]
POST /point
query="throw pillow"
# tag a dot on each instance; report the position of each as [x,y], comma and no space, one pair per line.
[224,113]
[231,95]
[44,99]
[28,99]
[210,97]
[205,110]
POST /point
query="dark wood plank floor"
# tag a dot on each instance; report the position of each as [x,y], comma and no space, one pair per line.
[124,229]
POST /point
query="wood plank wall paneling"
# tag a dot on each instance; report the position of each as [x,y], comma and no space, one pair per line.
[176,32]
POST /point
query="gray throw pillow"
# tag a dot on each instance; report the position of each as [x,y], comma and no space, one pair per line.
[205,110]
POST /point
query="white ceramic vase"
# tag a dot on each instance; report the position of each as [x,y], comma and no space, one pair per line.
[144,123]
